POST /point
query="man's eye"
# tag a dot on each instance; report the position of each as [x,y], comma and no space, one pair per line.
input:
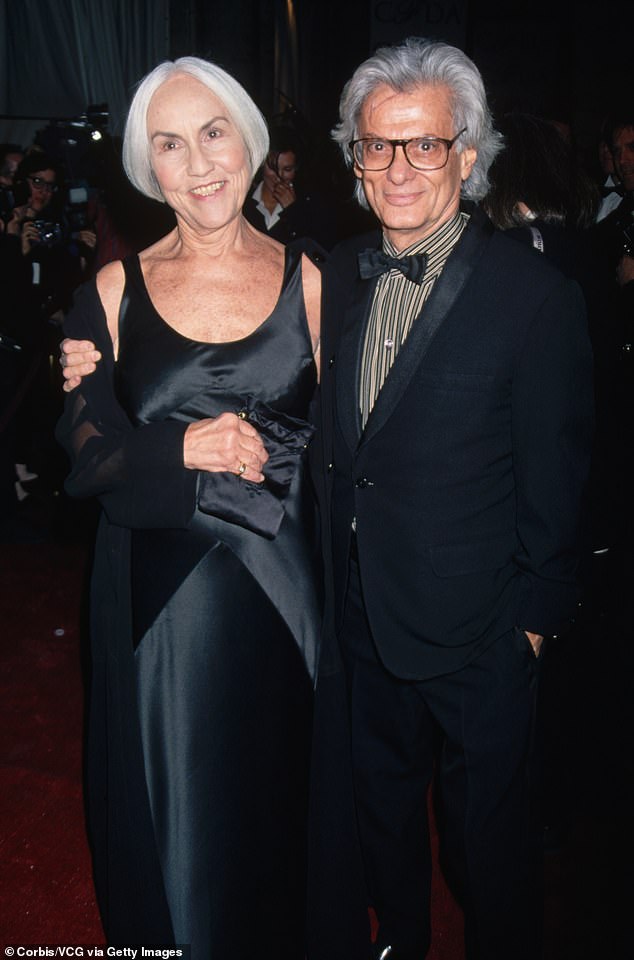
[426,147]
[375,146]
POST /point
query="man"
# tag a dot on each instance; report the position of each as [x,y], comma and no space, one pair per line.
[455,427]
[456,423]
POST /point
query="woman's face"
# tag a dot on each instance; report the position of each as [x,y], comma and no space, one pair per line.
[198,156]
[280,166]
[41,188]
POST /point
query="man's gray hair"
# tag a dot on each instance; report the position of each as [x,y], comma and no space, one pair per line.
[417,62]
[243,112]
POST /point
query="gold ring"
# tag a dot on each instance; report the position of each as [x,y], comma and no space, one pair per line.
[242,468]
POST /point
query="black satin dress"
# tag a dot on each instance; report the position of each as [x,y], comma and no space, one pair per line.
[225,617]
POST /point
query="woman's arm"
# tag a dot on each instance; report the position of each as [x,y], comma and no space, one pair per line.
[143,476]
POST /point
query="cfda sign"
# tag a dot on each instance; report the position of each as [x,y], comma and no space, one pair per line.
[394,20]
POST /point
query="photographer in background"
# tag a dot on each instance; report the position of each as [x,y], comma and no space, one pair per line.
[44,258]
[38,220]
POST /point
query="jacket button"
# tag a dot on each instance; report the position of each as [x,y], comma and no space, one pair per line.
[331,362]
[363,482]
[330,466]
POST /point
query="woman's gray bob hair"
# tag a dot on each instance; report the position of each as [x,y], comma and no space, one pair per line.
[248,120]
[415,62]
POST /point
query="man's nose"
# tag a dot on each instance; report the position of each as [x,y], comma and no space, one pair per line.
[400,167]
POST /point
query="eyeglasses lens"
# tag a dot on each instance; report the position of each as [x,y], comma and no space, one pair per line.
[423,154]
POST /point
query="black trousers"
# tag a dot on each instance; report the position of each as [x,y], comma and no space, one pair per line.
[475,726]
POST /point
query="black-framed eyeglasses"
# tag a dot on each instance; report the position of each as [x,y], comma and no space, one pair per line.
[49,185]
[422,153]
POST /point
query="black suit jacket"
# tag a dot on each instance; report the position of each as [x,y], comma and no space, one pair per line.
[467,482]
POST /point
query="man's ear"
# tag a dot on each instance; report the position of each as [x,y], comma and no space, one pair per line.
[467,159]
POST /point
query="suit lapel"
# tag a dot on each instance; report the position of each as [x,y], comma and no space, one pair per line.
[439,304]
[348,361]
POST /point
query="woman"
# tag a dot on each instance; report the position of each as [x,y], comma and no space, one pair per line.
[540,193]
[280,205]
[274,201]
[204,613]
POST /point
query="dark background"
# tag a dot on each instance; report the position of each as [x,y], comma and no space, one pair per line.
[567,61]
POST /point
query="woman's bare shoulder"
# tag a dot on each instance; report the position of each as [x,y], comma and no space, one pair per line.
[110,284]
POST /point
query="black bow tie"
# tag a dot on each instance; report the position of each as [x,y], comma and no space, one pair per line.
[372,263]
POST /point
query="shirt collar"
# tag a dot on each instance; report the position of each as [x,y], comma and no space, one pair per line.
[445,235]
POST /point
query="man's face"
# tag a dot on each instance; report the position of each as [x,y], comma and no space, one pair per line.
[412,203]
[623,153]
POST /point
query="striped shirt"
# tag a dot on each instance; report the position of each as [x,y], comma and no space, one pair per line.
[396,304]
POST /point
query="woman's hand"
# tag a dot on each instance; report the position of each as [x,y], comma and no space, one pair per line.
[284,193]
[226,444]
[14,225]
[78,358]
[30,236]
[21,225]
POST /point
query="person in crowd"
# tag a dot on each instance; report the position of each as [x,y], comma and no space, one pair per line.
[541,196]
[615,233]
[38,226]
[11,154]
[14,275]
[611,190]
[44,265]
[280,205]
[456,365]
[456,429]
[205,609]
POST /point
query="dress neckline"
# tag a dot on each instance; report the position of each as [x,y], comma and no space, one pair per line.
[135,261]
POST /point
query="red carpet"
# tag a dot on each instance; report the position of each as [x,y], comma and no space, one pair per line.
[46,894]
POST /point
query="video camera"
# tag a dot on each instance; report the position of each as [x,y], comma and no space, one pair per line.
[72,143]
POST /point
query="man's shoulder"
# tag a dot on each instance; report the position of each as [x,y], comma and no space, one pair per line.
[343,258]
[515,257]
